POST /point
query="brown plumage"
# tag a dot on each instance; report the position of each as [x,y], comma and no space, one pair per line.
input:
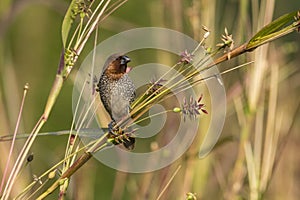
[117,91]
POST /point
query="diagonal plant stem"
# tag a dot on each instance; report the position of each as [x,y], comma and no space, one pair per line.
[26,87]
[76,165]
[53,168]
[168,183]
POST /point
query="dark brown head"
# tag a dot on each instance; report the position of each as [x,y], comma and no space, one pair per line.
[116,66]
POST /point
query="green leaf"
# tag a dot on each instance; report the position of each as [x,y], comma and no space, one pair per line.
[70,16]
[277,28]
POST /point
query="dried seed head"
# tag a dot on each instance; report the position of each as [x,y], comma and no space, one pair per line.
[154,86]
[228,42]
[192,108]
[207,32]
[186,57]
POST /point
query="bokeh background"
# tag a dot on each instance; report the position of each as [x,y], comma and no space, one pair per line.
[262,105]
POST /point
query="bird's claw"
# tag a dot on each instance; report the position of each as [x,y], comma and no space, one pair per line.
[119,137]
[113,129]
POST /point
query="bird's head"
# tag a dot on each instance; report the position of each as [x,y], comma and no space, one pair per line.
[116,66]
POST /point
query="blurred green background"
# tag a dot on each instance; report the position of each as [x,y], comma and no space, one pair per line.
[30,47]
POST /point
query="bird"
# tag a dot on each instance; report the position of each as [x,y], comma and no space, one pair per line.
[117,91]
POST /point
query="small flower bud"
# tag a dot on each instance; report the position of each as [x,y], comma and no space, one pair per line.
[62,181]
[206,35]
[191,196]
[51,175]
[26,86]
[176,110]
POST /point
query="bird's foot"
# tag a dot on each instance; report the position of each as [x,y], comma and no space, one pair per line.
[113,129]
[129,143]
[120,137]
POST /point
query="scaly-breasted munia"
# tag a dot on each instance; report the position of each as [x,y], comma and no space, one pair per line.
[117,91]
